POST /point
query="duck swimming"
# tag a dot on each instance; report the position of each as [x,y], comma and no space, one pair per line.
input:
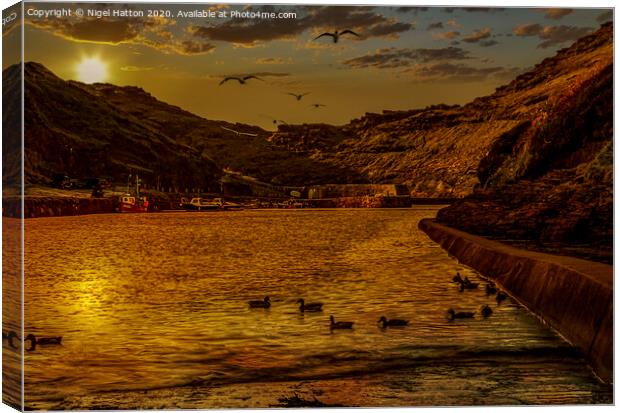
[9,337]
[486,311]
[340,324]
[490,289]
[265,303]
[457,278]
[501,296]
[41,341]
[394,322]
[310,307]
[468,286]
[461,314]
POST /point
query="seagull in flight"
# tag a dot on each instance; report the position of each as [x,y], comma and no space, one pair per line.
[239,133]
[318,105]
[241,80]
[298,96]
[336,35]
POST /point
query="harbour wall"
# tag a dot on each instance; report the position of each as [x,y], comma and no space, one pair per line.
[35,207]
[573,296]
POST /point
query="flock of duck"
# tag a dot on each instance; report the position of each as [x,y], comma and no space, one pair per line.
[333,324]
[463,282]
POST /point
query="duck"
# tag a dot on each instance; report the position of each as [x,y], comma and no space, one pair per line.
[394,322]
[41,341]
[486,311]
[336,35]
[461,314]
[490,289]
[241,80]
[501,296]
[265,303]
[468,286]
[457,278]
[310,307]
[9,337]
[341,325]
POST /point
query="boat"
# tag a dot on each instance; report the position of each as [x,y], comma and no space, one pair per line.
[201,204]
[131,203]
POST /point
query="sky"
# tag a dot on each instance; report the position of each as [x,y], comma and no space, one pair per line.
[402,57]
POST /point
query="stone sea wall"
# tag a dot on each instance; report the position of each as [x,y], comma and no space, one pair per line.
[574,296]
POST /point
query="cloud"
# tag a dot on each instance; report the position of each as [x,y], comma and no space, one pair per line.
[605,16]
[454,23]
[482,9]
[552,35]
[414,10]
[364,20]
[446,35]
[273,61]
[488,43]
[556,14]
[437,25]
[531,29]
[477,35]
[136,69]
[152,32]
[446,71]
[390,58]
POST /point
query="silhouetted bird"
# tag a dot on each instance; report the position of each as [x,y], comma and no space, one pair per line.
[42,341]
[394,322]
[9,337]
[239,133]
[490,289]
[298,96]
[336,35]
[265,303]
[461,314]
[457,278]
[501,296]
[241,80]
[318,105]
[486,311]
[340,324]
[311,307]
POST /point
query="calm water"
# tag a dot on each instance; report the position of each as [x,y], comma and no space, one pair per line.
[153,313]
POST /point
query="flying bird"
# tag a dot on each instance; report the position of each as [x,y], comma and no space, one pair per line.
[336,35]
[298,96]
[239,133]
[242,80]
[318,105]
[274,120]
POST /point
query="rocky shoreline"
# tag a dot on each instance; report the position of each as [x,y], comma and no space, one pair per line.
[573,296]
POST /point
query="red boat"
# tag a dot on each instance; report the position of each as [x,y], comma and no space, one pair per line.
[129,203]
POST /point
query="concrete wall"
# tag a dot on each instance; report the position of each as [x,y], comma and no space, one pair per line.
[54,207]
[574,296]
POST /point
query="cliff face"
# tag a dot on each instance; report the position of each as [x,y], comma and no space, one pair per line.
[445,151]
[551,185]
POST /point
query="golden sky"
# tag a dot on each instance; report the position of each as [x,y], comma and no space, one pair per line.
[403,58]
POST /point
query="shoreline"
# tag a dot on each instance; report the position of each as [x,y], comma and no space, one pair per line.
[572,295]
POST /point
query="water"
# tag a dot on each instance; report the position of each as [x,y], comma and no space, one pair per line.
[153,313]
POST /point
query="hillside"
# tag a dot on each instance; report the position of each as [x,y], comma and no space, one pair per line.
[93,130]
[437,151]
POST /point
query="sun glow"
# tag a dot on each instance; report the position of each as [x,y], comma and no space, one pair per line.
[91,70]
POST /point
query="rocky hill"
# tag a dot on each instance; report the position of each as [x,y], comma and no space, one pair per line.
[446,151]
[102,130]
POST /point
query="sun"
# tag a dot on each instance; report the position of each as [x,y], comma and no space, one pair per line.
[91,70]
